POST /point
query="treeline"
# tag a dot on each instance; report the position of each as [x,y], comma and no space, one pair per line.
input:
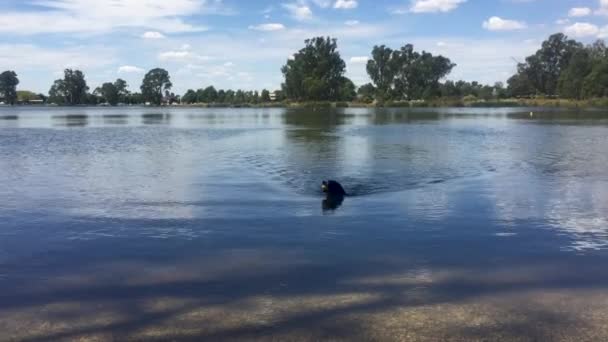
[210,95]
[72,89]
[562,67]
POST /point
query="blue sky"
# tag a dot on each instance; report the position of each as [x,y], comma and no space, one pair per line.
[243,44]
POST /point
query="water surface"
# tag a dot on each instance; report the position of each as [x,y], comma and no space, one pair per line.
[161,224]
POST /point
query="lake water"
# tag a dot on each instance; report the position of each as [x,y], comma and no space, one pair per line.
[209,224]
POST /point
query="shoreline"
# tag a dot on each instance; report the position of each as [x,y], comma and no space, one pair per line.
[600,103]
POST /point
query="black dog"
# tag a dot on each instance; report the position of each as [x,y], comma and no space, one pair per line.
[335,195]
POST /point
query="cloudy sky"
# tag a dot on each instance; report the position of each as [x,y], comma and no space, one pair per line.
[243,43]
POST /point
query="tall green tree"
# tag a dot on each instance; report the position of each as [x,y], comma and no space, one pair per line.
[189,97]
[382,69]
[596,83]
[208,95]
[406,73]
[110,93]
[348,90]
[122,89]
[570,83]
[419,74]
[544,68]
[265,96]
[367,93]
[8,86]
[71,90]
[154,84]
[316,72]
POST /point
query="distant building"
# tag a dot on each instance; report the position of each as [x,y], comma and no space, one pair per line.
[275,95]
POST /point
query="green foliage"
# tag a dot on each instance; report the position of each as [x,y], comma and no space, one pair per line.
[596,83]
[571,80]
[8,86]
[406,74]
[208,95]
[155,82]
[110,93]
[71,90]
[348,90]
[265,96]
[189,97]
[541,72]
[382,69]
[26,96]
[366,93]
[316,73]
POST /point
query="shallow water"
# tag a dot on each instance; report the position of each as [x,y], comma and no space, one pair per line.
[134,223]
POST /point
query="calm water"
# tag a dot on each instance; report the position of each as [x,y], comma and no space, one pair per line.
[156,224]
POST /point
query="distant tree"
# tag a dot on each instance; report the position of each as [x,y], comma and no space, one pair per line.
[570,83]
[500,91]
[598,50]
[315,72]
[265,96]
[110,93]
[418,74]
[519,85]
[221,96]
[8,86]
[122,89]
[348,91]
[155,82]
[71,90]
[596,83]
[27,96]
[209,95]
[543,69]
[189,97]
[57,93]
[239,97]
[366,93]
[406,73]
[43,97]
[134,99]
[230,96]
[382,69]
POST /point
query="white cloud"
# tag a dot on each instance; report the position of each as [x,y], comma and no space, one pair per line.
[433,6]
[562,21]
[346,4]
[85,16]
[603,10]
[182,56]
[359,59]
[298,11]
[153,35]
[130,69]
[499,24]
[579,12]
[351,22]
[580,30]
[173,55]
[268,27]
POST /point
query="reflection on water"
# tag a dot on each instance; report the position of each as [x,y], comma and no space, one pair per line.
[445,207]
